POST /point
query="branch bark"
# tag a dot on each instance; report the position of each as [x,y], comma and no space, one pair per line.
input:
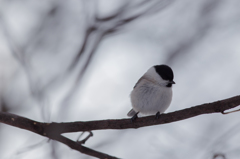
[54,130]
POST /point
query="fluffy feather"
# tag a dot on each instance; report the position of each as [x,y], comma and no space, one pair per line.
[150,94]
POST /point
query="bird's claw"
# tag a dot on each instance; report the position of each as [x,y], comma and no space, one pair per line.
[157,115]
[134,117]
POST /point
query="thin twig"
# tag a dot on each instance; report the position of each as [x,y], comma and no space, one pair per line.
[83,141]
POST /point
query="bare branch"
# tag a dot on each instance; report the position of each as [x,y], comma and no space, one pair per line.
[215,107]
[76,146]
[41,129]
[54,130]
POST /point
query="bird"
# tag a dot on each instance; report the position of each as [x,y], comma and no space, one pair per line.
[152,94]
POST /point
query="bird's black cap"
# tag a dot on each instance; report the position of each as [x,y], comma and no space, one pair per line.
[165,72]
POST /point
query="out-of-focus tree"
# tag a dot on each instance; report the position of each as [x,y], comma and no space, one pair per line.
[46,60]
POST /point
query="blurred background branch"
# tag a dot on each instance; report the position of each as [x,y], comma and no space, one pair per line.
[78,60]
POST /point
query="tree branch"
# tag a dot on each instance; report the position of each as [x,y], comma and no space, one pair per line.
[54,130]
[215,107]
[41,129]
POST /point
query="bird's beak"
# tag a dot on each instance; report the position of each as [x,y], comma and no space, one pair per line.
[172,82]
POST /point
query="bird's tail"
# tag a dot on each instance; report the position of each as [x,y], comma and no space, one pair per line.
[131,113]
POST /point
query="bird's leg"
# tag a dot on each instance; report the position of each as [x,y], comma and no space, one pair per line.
[157,115]
[134,117]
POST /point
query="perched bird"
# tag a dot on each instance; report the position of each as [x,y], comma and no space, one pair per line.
[152,94]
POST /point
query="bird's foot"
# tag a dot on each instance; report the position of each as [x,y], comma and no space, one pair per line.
[134,117]
[157,115]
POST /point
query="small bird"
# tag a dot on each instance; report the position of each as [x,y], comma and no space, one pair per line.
[152,94]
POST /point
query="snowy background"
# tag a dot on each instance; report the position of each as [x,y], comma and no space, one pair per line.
[45,76]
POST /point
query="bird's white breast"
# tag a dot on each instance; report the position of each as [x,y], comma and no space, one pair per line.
[149,97]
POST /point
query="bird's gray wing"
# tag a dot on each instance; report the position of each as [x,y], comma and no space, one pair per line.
[143,77]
